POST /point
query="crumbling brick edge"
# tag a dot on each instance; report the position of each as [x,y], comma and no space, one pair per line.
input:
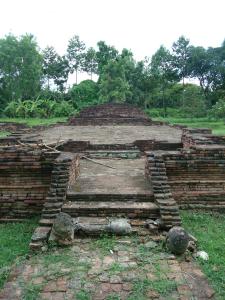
[156,171]
[64,174]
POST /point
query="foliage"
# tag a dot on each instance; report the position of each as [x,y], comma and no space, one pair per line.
[84,94]
[218,110]
[63,109]
[208,229]
[90,64]
[20,68]
[26,72]
[49,94]
[180,57]
[163,71]
[159,112]
[218,127]
[113,86]
[34,121]
[55,69]
[4,133]
[75,54]
[194,102]
[104,54]
[14,240]
[41,108]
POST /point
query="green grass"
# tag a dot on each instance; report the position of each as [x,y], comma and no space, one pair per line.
[4,133]
[218,127]
[34,121]
[161,286]
[105,243]
[83,295]
[14,240]
[209,230]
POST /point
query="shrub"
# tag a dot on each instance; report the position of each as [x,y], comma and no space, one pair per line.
[84,94]
[218,110]
[159,112]
[40,108]
[64,109]
[194,104]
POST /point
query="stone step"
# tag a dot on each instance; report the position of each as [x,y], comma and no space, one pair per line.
[129,154]
[71,196]
[118,209]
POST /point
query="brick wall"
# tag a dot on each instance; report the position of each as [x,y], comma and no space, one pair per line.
[111,113]
[25,177]
[197,177]
[200,136]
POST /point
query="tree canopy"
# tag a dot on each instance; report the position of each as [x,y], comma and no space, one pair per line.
[27,72]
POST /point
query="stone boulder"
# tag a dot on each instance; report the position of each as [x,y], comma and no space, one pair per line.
[177,240]
[63,229]
[119,226]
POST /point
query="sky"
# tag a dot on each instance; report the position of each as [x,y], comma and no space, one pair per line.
[139,25]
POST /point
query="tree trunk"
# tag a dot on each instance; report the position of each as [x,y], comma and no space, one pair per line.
[164,104]
[183,92]
[76,76]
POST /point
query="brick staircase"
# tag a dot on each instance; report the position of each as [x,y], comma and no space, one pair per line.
[102,193]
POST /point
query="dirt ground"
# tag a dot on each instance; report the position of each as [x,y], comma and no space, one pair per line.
[111,134]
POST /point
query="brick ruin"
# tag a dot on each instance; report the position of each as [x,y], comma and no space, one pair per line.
[111,113]
[139,179]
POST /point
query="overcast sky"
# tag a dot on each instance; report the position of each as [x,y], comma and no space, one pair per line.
[139,25]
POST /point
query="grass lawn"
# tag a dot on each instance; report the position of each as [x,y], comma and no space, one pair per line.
[218,127]
[14,240]
[209,230]
[34,121]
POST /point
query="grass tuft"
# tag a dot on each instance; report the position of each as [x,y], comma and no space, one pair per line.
[14,241]
[209,230]
[34,121]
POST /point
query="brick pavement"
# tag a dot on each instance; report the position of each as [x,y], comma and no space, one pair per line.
[107,268]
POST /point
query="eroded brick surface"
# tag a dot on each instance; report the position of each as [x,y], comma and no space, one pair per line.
[107,268]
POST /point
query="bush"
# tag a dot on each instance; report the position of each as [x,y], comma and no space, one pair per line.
[84,94]
[159,112]
[64,109]
[218,110]
[194,104]
[40,108]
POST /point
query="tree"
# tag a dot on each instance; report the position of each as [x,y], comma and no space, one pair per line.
[61,72]
[137,78]
[194,101]
[163,72]
[205,65]
[49,63]
[84,93]
[20,67]
[90,64]
[55,68]
[75,54]
[114,86]
[104,55]
[181,54]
